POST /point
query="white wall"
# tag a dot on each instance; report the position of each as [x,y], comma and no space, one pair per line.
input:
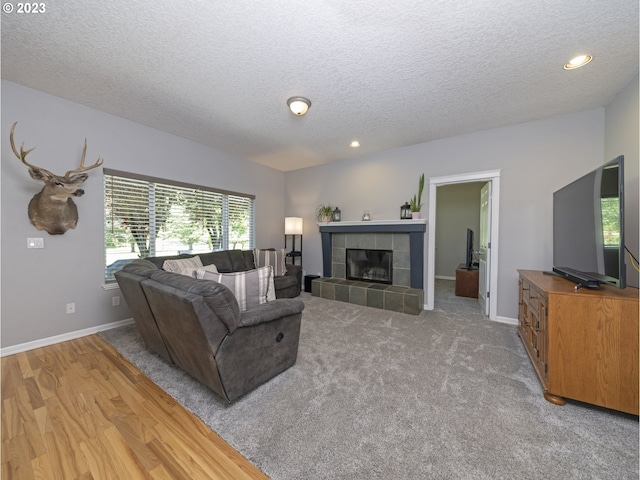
[37,284]
[535,159]
[621,137]
[457,208]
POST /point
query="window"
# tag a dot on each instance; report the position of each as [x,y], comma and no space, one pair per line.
[148,217]
[610,210]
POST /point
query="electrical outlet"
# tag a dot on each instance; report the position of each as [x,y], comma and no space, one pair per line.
[115,301]
[71,308]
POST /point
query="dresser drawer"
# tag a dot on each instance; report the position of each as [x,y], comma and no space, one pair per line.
[534,300]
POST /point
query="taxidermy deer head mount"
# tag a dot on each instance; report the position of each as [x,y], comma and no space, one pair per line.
[53,209]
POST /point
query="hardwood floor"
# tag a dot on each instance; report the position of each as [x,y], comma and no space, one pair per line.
[79,410]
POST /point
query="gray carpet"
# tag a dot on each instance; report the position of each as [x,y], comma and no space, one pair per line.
[378,395]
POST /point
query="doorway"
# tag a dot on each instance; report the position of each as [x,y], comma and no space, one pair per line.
[458,215]
[491,270]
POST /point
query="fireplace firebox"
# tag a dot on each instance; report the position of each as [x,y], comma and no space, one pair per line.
[369,265]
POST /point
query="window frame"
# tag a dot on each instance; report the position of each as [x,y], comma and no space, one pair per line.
[169,184]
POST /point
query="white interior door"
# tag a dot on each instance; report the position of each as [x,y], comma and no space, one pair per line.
[484,248]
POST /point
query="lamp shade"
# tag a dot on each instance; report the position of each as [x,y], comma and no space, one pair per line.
[293,226]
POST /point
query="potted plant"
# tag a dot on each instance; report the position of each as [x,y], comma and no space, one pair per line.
[324,212]
[415,204]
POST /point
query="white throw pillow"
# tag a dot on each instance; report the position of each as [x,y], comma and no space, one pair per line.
[271,293]
[183,266]
[207,268]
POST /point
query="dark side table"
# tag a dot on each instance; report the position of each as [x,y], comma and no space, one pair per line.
[467,282]
[307,281]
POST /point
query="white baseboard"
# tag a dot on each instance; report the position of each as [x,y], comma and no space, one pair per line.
[507,320]
[443,277]
[45,342]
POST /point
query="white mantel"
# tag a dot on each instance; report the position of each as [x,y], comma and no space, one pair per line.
[363,223]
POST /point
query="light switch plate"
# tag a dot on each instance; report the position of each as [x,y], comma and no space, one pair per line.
[36,242]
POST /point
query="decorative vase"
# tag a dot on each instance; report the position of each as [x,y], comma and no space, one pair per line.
[415,215]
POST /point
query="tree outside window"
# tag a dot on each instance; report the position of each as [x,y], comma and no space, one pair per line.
[147,217]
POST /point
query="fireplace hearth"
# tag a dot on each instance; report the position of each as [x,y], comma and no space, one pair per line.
[369,265]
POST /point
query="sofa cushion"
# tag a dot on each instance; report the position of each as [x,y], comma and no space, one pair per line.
[250,288]
[183,266]
[249,262]
[218,297]
[285,281]
[271,311]
[220,259]
[229,260]
[141,267]
[237,260]
[274,258]
[159,261]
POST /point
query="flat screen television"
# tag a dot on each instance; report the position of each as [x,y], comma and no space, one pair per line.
[469,259]
[588,228]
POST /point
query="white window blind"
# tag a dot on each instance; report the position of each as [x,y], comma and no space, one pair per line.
[147,217]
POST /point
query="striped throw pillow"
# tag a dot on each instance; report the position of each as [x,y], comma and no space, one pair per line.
[250,288]
[274,258]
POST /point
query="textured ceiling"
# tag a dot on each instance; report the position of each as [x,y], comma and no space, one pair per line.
[388,73]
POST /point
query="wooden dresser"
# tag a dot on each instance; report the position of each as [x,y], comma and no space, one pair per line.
[583,343]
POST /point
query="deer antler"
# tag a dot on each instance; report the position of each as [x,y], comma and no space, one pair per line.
[23,155]
[82,168]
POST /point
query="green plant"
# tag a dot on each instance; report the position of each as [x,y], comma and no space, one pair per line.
[324,212]
[416,202]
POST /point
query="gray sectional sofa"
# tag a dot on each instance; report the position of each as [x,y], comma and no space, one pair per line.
[198,325]
[227,261]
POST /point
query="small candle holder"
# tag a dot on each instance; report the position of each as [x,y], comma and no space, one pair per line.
[405,211]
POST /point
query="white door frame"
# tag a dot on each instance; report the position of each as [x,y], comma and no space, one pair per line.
[492,176]
[484,252]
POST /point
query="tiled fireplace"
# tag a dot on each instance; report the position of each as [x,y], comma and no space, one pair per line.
[404,242]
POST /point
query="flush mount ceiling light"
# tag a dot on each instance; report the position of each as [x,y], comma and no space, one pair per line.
[354,144]
[299,105]
[578,62]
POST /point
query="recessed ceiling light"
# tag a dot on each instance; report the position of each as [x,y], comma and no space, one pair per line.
[354,144]
[578,62]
